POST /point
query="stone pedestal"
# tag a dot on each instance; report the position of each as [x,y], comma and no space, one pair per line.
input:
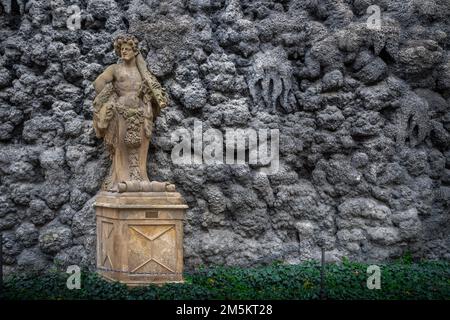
[140,237]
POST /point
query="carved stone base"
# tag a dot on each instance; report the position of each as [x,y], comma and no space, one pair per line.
[140,237]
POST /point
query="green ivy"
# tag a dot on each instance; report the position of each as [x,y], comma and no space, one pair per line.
[403,279]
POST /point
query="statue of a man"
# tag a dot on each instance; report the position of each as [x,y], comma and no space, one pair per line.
[128,99]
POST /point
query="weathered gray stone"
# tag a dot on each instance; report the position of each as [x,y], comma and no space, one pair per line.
[359,159]
[216,200]
[305,229]
[11,247]
[359,212]
[366,123]
[341,170]
[8,221]
[52,159]
[383,235]
[39,212]
[27,234]
[32,259]
[262,184]
[332,80]
[230,113]
[409,224]
[374,71]
[420,56]
[83,221]
[362,114]
[330,118]
[415,161]
[75,255]
[53,239]
[6,206]
[65,215]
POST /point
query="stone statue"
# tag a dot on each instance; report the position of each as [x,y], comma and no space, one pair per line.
[139,223]
[128,99]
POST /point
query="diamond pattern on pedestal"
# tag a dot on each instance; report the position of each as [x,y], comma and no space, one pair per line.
[152,249]
[106,249]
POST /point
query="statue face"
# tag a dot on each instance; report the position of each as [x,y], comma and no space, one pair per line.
[127,52]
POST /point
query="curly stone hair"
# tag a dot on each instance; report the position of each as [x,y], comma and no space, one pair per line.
[129,39]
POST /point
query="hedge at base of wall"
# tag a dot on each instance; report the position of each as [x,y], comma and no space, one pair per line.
[346,280]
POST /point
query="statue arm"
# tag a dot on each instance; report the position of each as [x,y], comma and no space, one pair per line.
[154,88]
[106,77]
[103,102]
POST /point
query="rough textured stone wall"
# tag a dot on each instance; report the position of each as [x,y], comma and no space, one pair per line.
[363,115]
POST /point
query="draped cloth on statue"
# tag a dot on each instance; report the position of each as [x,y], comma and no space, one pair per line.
[125,123]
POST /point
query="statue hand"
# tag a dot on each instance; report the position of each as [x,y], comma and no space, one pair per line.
[109,111]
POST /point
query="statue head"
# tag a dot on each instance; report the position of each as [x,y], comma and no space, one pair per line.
[126,47]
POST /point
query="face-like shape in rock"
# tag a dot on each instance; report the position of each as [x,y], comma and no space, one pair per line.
[127,52]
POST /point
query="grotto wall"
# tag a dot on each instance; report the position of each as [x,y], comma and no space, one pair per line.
[363,116]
